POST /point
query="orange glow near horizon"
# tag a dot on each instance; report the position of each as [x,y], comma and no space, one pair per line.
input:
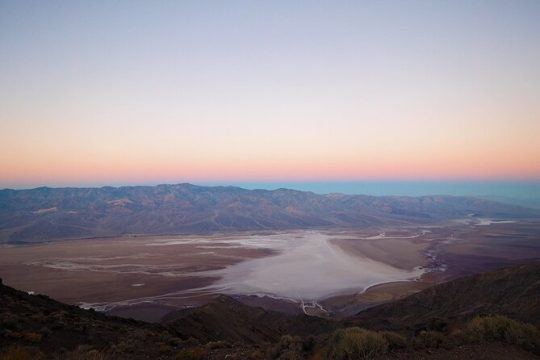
[349,150]
[75,171]
[344,92]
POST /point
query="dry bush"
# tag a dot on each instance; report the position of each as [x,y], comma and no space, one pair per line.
[501,328]
[256,355]
[10,322]
[356,343]
[164,348]
[212,345]
[16,352]
[191,353]
[85,352]
[308,344]
[429,339]
[33,337]
[395,340]
[288,348]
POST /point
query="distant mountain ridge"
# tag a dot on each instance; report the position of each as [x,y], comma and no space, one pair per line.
[44,214]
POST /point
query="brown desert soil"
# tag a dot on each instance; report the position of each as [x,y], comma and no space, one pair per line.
[109,270]
[400,253]
[156,278]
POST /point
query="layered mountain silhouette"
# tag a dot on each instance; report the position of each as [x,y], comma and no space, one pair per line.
[44,214]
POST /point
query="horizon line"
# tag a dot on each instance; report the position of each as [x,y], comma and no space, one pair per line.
[241,183]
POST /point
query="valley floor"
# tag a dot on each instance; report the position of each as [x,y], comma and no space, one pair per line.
[332,272]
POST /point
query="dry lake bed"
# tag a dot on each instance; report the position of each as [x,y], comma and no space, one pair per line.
[319,272]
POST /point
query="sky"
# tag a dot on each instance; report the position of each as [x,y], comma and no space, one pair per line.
[145,92]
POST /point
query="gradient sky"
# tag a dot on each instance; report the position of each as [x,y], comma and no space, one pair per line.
[112,92]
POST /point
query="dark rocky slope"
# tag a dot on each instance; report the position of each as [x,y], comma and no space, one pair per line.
[228,319]
[513,292]
[38,327]
[55,329]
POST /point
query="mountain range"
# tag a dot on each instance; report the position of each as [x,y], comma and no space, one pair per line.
[45,214]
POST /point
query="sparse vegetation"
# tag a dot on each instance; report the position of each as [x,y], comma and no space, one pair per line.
[28,330]
[429,339]
[308,344]
[288,348]
[192,353]
[502,329]
[211,345]
[293,347]
[356,343]
[395,340]
[33,337]
[256,355]
[17,352]
[85,352]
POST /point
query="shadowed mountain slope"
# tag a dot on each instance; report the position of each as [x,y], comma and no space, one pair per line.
[228,319]
[513,292]
[44,214]
[54,330]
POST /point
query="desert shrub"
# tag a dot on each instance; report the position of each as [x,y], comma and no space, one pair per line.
[32,337]
[256,355]
[526,336]
[164,348]
[94,355]
[85,352]
[356,343]
[39,317]
[191,342]
[20,353]
[318,354]
[15,335]
[191,353]
[437,324]
[292,348]
[501,328]
[456,337]
[395,340]
[10,321]
[163,337]
[127,345]
[84,348]
[429,339]
[45,331]
[308,344]
[288,348]
[489,328]
[144,335]
[174,342]
[216,345]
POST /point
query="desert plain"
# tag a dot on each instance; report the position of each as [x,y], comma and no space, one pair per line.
[323,272]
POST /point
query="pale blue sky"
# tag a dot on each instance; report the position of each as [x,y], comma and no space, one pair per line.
[169,91]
